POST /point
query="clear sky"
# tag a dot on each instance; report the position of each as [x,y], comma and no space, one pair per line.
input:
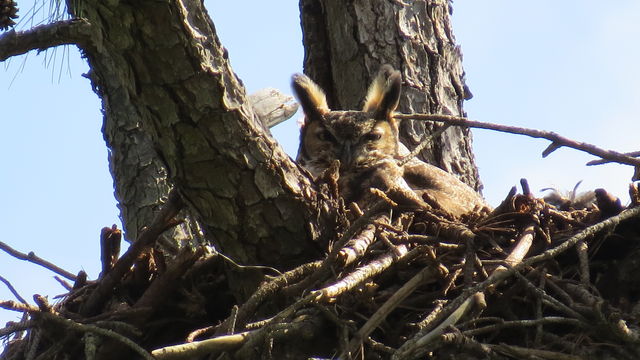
[566,66]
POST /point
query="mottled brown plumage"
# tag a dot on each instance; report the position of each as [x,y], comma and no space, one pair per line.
[367,146]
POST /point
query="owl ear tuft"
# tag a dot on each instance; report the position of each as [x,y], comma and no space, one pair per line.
[383,95]
[312,99]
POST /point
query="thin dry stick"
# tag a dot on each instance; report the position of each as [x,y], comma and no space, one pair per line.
[557,140]
[426,141]
[13,290]
[367,271]
[32,257]
[195,349]
[523,323]
[605,161]
[407,289]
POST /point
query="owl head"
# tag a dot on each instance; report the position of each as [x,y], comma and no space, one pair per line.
[359,139]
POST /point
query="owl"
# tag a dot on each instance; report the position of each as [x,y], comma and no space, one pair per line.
[367,145]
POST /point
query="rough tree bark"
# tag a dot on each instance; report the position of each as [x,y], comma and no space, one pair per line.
[162,67]
[347,41]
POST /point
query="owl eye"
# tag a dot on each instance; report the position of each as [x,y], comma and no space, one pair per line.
[372,136]
[324,135]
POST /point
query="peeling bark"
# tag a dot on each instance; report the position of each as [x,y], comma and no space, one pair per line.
[347,41]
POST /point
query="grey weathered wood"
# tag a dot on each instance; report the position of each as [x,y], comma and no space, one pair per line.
[346,41]
[272,106]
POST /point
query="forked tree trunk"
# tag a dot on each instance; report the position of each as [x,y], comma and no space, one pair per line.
[176,115]
[346,41]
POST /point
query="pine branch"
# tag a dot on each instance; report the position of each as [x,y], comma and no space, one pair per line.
[66,32]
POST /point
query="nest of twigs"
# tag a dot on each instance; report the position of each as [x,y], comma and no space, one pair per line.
[528,281]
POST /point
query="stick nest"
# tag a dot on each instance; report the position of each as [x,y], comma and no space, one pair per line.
[529,281]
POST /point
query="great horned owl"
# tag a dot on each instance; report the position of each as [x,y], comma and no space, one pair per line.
[367,146]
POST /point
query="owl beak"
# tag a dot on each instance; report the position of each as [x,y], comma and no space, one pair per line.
[346,153]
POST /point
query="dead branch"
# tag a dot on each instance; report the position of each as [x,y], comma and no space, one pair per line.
[605,161]
[65,32]
[522,323]
[32,257]
[163,220]
[110,238]
[13,290]
[362,273]
[557,141]
[199,348]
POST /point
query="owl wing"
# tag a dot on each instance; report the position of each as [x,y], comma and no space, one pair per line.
[441,189]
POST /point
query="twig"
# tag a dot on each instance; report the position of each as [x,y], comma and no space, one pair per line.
[557,141]
[64,284]
[105,287]
[407,289]
[195,349]
[13,290]
[519,352]
[32,257]
[605,161]
[358,245]
[355,278]
[522,323]
[22,307]
[426,141]
[66,32]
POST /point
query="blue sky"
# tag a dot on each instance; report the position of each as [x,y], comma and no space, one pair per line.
[566,66]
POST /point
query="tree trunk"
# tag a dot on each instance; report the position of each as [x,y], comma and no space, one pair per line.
[346,42]
[161,70]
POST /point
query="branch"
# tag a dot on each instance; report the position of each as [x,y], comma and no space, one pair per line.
[66,32]
[13,290]
[201,348]
[105,287]
[365,272]
[605,161]
[32,257]
[557,141]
